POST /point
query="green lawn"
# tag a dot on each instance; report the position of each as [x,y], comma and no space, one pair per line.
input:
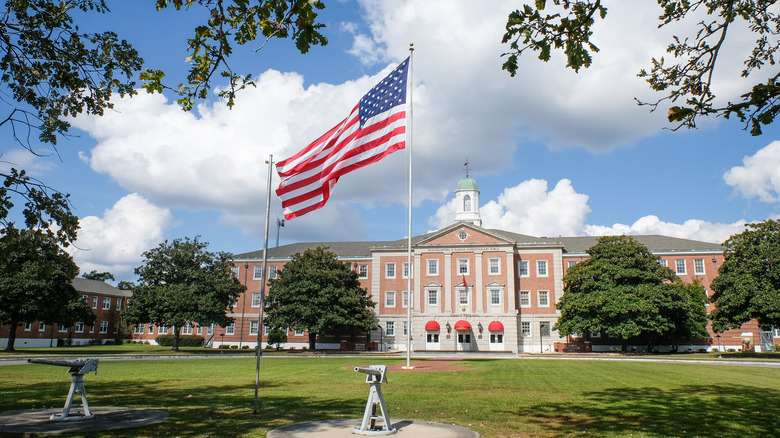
[497,398]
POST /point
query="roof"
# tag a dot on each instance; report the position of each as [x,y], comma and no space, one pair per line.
[467,184]
[98,287]
[571,245]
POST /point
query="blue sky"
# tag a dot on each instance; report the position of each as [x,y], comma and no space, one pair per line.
[553,152]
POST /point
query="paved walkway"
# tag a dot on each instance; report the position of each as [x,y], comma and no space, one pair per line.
[344,429]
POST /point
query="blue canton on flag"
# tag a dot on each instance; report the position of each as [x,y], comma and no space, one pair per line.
[386,94]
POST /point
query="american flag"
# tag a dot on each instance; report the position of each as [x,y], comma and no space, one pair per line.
[375,128]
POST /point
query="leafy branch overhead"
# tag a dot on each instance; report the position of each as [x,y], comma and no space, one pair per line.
[235,22]
[685,82]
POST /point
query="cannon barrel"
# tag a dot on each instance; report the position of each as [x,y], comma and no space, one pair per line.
[370,371]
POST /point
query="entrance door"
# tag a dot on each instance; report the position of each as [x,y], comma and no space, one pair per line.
[432,342]
[464,341]
[496,342]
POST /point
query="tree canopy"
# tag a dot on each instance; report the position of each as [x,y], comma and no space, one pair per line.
[179,283]
[686,82]
[623,291]
[748,282]
[99,276]
[36,278]
[318,293]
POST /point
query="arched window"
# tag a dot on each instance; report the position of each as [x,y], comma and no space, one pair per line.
[467,203]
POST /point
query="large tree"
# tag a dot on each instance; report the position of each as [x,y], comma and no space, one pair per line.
[179,283]
[318,293]
[748,283]
[53,71]
[36,278]
[623,291]
[686,81]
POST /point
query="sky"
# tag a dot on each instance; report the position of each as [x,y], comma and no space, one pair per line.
[554,152]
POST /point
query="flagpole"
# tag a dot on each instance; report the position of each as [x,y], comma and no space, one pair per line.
[259,352]
[410,86]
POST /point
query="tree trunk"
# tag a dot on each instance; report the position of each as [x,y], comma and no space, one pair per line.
[312,341]
[12,327]
[176,334]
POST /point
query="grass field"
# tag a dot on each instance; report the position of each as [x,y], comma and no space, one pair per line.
[497,398]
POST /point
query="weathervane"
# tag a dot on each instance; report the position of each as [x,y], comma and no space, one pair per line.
[467,168]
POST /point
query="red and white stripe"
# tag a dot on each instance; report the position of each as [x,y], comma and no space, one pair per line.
[309,176]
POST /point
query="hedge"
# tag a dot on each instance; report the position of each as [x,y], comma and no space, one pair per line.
[184,340]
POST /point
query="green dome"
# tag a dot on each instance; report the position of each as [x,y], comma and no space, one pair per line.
[467,184]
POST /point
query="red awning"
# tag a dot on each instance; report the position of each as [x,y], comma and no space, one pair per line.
[462,325]
[496,326]
[432,326]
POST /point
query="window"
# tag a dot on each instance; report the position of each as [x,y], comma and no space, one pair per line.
[389,299]
[433,298]
[79,327]
[41,326]
[139,329]
[389,270]
[210,330]
[525,329]
[84,298]
[198,330]
[595,335]
[467,203]
[496,338]
[231,329]
[187,329]
[494,266]
[28,327]
[541,268]
[258,273]
[234,271]
[405,299]
[544,298]
[272,271]
[151,329]
[464,338]
[463,266]
[390,328]
[299,333]
[118,304]
[463,235]
[698,266]
[94,302]
[495,297]
[525,298]
[65,329]
[463,297]
[679,266]
[544,328]
[92,329]
[363,271]
[572,263]
[163,329]
[432,338]
[106,303]
[253,326]
[663,263]
[522,268]
[433,267]
[103,326]
[405,270]
[266,329]
[406,329]
[255,300]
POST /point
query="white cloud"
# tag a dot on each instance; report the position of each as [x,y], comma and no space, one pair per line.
[115,242]
[694,229]
[759,176]
[22,159]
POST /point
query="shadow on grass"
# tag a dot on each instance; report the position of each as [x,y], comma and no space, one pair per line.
[693,410]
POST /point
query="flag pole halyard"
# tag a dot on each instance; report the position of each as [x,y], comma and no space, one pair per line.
[259,352]
[409,293]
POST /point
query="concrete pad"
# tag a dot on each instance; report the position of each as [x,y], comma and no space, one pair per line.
[37,422]
[344,428]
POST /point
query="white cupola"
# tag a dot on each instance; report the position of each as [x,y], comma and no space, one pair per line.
[467,198]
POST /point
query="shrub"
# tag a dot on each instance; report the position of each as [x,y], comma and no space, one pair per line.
[234,347]
[224,346]
[245,347]
[184,341]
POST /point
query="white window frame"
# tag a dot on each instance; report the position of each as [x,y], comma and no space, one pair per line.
[253,327]
[103,326]
[210,330]
[390,270]
[187,329]
[231,329]
[463,266]
[266,329]
[680,263]
[494,293]
[463,293]
[698,267]
[162,329]
[234,271]
[496,338]
[541,268]
[28,327]
[299,332]
[64,329]
[433,293]
[363,271]
[525,329]
[405,270]
[257,273]
[41,326]
[118,304]
[106,303]
[95,302]
[405,299]
[390,298]
[494,266]
[523,269]
[256,299]
[389,328]
[273,271]
[571,263]
[405,328]
[79,327]
[433,267]
[139,329]
[527,294]
[543,297]
[151,328]
[663,262]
